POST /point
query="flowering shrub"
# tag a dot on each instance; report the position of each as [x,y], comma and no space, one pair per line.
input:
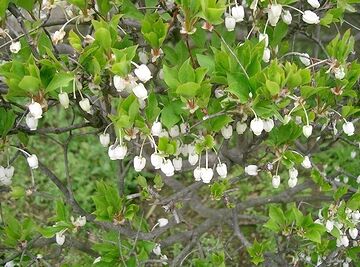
[194,133]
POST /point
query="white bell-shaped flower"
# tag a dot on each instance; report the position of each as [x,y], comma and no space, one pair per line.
[310,17]
[9,171]
[307,130]
[241,127]
[219,93]
[60,238]
[227,131]
[305,59]
[221,169]
[104,139]
[353,232]
[292,182]
[306,163]
[293,173]
[139,163]
[344,240]
[177,162]
[119,83]
[314,3]
[206,175]
[64,99]
[197,174]
[143,57]
[266,55]
[140,91]
[35,110]
[79,222]
[251,170]
[167,167]
[268,125]
[156,160]
[275,181]
[15,47]
[143,73]
[156,128]
[33,161]
[174,131]
[31,122]
[116,152]
[329,225]
[286,17]
[193,158]
[162,222]
[339,73]
[238,13]
[274,13]
[164,133]
[184,127]
[157,250]
[9,264]
[230,23]
[85,105]
[265,37]
[257,126]
[348,128]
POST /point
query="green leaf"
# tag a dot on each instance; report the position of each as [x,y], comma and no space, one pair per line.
[61,79]
[186,72]
[103,38]
[30,84]
[3,7]
[272,87]
[75,41]
[7,121]
[188,89]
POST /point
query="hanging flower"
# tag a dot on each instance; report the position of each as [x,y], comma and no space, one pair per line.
[140,91]
[31,122]
[221,169]
[33,161]
[286,17]
[305,59]
[116,152]
[274,13]
[139,163]
[177,162]
[60,238]
[156,128]
[85,105]
[104,139]
[257,126]
[240,127]
[238,13]
[227,131]
[310,17]
[167,167]
[119,83]
[162,222]
[174,131]
[293,173]
[251,170]
[230,23]
[307,130]
[314,3]
[193,158]
[143,73]
[348,128]
[266,55]
[206,175]
[306,163]
[35,110]
[275,181]
[64,99]
[292,182]
[268,125]
[15,47]
[197,174]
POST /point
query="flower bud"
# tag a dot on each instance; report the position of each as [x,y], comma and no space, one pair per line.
[15,47]
[348,128]
[314,3]
[275,181]
[85,105]
[307,130]
[221,169]
[35,110]
[240,127]
[292,182]
[227,131]
[157,250]
[139,163]
[339,73]
[33,161]
[306,163]
[140,91]
[230,23]
[143,73]
[104,139]
[206,175]
[193,158]
[238,13]
[174,131]
[257,126]
[286,17]
[310,17]
[64,99]
[266,55]
[162,222]
[305,59]
[31,122]
[119,83]
[60,238]
[268,125]
[177,162]
[251,170]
